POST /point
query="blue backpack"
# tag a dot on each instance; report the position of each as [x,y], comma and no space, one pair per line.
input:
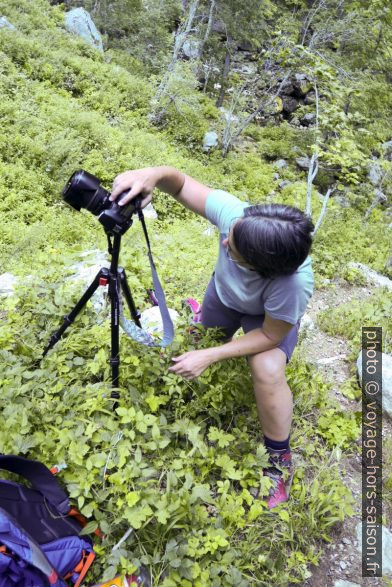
[40,544]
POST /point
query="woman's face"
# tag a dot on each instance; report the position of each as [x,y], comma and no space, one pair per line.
[232,251]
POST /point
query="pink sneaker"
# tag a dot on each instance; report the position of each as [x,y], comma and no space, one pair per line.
[279,492]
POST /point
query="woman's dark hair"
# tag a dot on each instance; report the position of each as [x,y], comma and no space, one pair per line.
[275,239]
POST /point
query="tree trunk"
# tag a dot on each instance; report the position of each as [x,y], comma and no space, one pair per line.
[181,36]
[225,75]
[209,27]
[232,137]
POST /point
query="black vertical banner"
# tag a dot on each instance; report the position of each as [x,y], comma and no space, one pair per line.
[372,451]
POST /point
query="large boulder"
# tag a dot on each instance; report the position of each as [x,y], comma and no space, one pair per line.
[297,85]
[386,361]
[301,84]
[388,150]
[308,119]
[191,48]
[310,98]
[211,140]
[303,163]
[287,88]
[79,22]
[289,104]
[245,46]
[375,174]
[249,68]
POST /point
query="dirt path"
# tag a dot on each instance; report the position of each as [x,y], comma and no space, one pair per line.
[341,560]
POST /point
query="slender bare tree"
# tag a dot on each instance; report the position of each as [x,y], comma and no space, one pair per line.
[181,35]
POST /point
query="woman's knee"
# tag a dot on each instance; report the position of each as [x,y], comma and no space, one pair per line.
[268,368]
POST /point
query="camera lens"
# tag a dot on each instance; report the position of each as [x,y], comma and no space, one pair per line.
[83,190]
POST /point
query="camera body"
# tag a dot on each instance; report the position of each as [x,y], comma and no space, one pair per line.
[84,190]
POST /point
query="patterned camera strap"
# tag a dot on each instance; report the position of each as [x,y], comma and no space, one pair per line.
[134,331]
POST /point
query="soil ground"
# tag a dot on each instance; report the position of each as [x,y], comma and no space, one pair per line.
[341,559]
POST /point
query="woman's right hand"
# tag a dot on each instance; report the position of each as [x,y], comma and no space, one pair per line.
[134,183]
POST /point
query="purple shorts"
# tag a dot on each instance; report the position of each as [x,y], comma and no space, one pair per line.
[214,314]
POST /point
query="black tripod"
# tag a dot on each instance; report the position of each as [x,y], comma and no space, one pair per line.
[116,278]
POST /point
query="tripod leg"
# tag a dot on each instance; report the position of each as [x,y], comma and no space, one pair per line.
[103,273]
[128,296]
[114,286]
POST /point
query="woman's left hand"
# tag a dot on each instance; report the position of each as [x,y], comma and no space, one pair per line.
[192,364]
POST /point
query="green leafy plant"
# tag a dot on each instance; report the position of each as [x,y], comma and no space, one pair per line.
[176,462]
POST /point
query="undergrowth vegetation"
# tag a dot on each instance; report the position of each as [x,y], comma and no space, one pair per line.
[176,461]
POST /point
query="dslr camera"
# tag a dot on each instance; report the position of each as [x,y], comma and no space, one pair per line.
[84,190]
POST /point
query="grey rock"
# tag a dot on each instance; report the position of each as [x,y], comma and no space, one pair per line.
[346,541]
[5,24]
[289,104]
[245,46]
[79,22]
[302,85]
[210,141]
[191,48]
[375,174]
[303,163]
[309,119]
[219,27]
[280,163]
[306,325]
[249,69]
[297,85]
[310,98]
[388,150]
[7,284]
[381,197]
[330,360]
[276,176]
[372,276]
[342,201]
[386,379]
[287,88]
[386,548]
[284,183]
[343,583]
[342,565]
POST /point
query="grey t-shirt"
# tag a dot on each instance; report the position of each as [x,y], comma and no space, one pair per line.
[284,298]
